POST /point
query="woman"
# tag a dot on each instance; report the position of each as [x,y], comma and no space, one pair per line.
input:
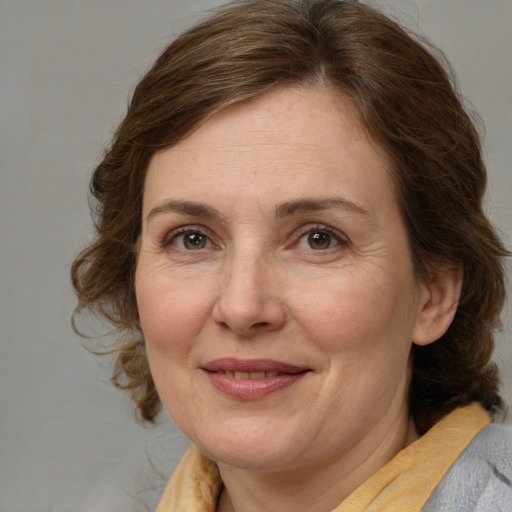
[290,239]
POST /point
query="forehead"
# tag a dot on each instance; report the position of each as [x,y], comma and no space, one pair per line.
[290,143]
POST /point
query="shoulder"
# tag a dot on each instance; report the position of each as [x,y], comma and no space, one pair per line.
[480,480]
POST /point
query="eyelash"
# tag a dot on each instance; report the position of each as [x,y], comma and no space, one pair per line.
[340,240]
[186,230]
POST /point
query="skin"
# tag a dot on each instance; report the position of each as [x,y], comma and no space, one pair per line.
[331,290]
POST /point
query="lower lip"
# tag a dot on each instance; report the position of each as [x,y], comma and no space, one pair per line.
[253,389]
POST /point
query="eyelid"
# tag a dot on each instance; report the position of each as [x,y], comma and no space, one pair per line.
[168,237]
[339,236]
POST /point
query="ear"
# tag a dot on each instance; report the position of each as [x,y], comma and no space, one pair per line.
[439,300]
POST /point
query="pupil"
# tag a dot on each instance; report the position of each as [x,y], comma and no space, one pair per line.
[194,241]
[319,240]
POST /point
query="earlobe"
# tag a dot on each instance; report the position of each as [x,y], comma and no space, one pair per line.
[439,301]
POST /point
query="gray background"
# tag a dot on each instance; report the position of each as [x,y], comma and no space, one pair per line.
[67,440]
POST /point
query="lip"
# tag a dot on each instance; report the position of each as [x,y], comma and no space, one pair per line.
[221,374]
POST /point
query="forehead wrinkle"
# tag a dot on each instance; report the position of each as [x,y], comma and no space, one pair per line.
[184,207]
[268,145]
[311,204]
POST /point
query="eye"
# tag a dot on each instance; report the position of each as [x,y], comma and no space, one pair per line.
[320,239]
[189,240]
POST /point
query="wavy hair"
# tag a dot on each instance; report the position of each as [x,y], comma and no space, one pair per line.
[407,101]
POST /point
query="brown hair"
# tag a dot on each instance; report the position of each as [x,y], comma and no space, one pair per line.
[407,102]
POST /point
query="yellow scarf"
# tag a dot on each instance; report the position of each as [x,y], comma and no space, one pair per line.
[405,483]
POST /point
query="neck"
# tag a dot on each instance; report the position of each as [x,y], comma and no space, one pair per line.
[316,488]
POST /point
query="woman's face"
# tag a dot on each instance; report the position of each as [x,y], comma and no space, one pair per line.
[275,286]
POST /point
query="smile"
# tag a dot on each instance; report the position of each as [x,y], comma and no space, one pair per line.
[248,375]
[248,380]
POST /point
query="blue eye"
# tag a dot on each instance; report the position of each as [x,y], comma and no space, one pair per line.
[190,241]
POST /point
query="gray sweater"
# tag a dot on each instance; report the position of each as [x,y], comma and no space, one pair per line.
[481,478]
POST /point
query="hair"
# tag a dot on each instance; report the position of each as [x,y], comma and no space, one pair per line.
[409,105]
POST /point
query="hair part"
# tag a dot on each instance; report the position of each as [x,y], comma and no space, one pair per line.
[407,103]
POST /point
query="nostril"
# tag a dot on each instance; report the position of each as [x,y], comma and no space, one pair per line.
[247,315]
[260,324]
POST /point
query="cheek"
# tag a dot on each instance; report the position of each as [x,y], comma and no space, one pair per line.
[171,313]
[362,328]
[360,313]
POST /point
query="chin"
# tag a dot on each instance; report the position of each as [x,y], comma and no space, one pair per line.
[250,443]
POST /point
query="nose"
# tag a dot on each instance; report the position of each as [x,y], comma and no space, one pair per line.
[248,301]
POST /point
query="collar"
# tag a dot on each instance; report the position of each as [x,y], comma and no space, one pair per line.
[404,483]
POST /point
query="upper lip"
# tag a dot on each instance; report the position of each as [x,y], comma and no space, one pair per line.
[231,364]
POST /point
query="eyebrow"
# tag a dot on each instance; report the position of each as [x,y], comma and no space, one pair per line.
[311,205]
[283,210]
[185,207]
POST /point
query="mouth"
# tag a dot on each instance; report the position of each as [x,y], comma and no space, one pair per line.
[248,375]
[252,379]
